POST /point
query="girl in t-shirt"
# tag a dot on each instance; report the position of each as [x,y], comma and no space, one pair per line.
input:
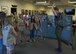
[38,27]
[9,34]
[33,26]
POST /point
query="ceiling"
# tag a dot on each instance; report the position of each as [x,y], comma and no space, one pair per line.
[57,2]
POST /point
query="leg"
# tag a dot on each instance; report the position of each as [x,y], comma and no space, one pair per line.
[58,35]
[40,33]
[10,49]
[36,34]
[1,46]
[31,35]
[23,36]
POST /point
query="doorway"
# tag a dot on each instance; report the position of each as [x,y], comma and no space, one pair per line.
[13,10]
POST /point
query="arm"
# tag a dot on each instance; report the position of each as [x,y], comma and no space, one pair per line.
[53,10]
[15,33]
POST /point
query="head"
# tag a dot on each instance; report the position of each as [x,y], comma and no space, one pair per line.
[15,13]
[12,14]
[3,17]
[56,9]
[26,12]
[32,17]
[8,20]
[22,11]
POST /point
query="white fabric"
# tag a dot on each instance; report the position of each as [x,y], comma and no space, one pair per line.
[5,32]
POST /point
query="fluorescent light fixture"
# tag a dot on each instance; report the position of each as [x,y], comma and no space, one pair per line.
[50,6]
[71,1]
[41,2]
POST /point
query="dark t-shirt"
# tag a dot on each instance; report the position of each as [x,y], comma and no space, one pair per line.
[58,19]
[33,20]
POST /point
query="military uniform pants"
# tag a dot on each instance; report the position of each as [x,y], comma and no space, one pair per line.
[58,33]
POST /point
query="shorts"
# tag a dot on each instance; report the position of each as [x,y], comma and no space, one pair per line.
[10,47]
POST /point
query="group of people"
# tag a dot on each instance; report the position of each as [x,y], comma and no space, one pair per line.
[14,26]
[7,34]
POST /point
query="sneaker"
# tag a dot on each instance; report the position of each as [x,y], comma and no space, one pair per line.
[59,50]
[33,40]
[21,41]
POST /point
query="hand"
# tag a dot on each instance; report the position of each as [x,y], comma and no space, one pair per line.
[40,30]
[53,5]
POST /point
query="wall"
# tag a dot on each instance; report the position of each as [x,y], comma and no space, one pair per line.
[20,5]
[49,11]
[8,3]
[74,17]
[26,5]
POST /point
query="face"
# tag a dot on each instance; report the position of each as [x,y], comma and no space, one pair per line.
[22,11]
[15,13]
[33,17]
[56,11]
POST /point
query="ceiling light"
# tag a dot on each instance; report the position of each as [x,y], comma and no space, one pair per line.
[50,6]
[41,2]
[72,2]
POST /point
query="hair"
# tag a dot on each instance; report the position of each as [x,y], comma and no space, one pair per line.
[2,17]
[22,11]
[9,19]
[0,23]
[32,20]
[56,8]
[32,16]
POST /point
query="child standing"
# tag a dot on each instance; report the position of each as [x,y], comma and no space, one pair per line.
[33,27]
[9,34]
[38,29]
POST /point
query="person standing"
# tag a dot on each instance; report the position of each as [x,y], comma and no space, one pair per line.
[15,17]
[59,27]
[21,28]
[9,34]
[33,26]
[38,23]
